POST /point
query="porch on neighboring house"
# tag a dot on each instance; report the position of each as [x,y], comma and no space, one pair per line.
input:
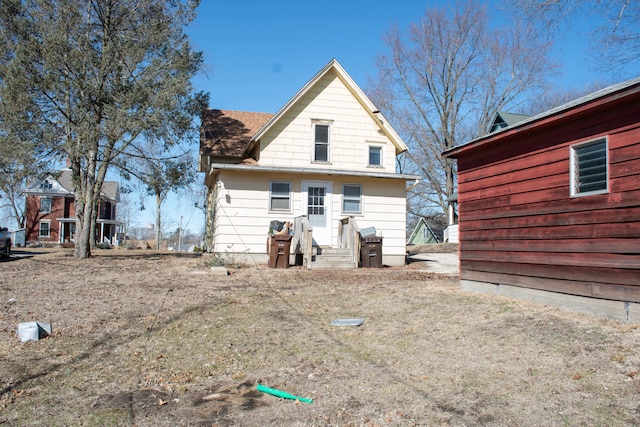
[450,234]
[107,231]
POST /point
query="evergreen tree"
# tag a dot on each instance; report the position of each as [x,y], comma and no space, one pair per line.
[86,78]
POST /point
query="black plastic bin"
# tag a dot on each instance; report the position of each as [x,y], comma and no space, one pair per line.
[371,252]
[280,251]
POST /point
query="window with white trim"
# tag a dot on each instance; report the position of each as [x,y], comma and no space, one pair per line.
[321,138]
[44,229]
[280,196]
[351,199]
[45,205]
[375,155]
[589,168]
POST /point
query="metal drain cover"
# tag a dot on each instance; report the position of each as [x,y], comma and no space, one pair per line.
[347,322]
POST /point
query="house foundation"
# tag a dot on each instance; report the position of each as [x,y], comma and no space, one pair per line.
[622,311]
[263,259]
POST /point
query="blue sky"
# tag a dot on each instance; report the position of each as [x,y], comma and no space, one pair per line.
[258,54]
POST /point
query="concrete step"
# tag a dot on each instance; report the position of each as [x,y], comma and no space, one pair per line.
[332,259]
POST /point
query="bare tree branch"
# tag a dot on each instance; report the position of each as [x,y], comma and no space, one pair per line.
[444,79]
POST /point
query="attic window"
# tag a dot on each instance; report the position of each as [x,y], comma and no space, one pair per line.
[375,156]
[589,172]
[321,142]
[46,185]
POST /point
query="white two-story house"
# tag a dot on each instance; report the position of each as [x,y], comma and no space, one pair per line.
[326,162]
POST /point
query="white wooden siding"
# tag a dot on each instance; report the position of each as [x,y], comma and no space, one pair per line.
[290,142]
[242,214]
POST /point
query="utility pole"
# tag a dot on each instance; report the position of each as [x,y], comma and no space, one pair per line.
[180,236]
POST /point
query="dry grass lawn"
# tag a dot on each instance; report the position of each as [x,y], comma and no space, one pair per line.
[155,339]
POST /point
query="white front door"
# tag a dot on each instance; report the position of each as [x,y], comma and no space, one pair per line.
[317,208]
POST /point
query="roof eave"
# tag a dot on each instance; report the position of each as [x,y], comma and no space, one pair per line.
[309,171]
[562,112]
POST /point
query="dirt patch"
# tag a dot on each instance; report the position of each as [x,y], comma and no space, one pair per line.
[154,339]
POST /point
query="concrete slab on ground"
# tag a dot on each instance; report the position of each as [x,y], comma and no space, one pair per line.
[441,263]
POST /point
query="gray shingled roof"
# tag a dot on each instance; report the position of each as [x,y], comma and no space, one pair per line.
[65,180]
[513,118]
[503,119]
[110,189]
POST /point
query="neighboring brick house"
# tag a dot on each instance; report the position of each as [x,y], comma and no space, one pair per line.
[50,215]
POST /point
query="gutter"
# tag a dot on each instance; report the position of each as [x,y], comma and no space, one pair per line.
[309,171]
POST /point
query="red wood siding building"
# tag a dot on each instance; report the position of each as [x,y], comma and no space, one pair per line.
[535,213]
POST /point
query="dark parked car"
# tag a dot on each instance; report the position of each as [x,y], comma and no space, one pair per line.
[5,242]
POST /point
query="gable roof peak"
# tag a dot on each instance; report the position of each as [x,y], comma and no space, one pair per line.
[503,119]
[60,183]
[350,84]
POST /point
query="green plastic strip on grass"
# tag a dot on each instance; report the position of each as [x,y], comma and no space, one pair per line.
[282,394]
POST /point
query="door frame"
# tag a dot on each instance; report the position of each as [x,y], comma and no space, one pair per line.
[325,235]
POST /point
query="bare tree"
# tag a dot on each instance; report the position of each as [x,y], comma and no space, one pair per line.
[442,81]
[555,97]
[13,179]
[615,43]
[126,212]
[160,172]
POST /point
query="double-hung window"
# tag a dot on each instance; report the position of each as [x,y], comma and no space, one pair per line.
[280,196]
[589,168]
[45,205]
[44,229]
[351,199]
[375,156]
[321,138]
